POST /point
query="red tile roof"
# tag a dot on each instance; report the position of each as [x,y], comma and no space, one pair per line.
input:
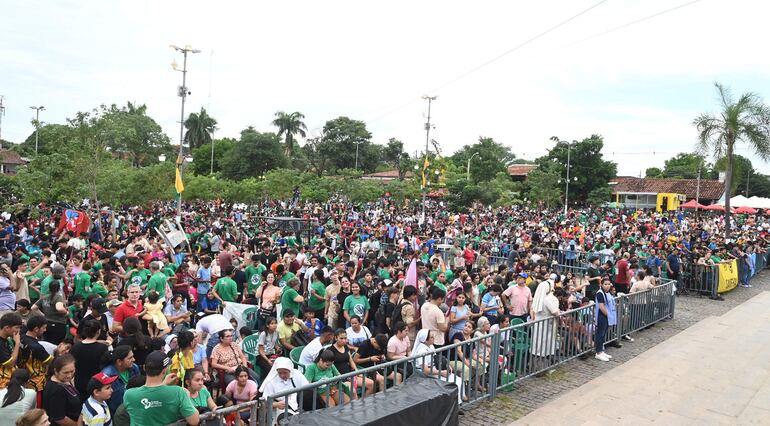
[521,169]
[388,174]
[709,189]
[10,157]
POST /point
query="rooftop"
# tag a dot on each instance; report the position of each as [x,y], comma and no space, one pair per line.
[709,189]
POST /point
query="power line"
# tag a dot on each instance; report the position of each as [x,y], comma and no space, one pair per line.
[495,59]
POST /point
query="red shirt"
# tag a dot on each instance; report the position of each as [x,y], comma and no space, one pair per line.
[622,277]
[126,310]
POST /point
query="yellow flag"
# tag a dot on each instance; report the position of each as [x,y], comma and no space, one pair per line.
[178,184]
[426,163]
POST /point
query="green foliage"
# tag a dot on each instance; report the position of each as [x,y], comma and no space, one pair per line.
[200,126]
[599,196]
[202,155]
[492,158]
[337,147]
[253,155]
[52,138]
[394,156]
[685,166]
[290,125]
[586,164]
[653,172]
[742,170]
[543,186]
[129,133]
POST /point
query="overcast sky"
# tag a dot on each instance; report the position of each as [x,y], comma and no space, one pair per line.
[639,86]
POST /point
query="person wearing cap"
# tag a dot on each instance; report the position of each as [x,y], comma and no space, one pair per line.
[159,402]
[98,314]
[518,298]
[95,410]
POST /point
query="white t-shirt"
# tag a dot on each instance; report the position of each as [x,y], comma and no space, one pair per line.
[213,324]
[356,339]
[310,351]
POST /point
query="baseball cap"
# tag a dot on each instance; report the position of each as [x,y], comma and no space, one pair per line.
[553,276]
[114,302]
[523,274]
[99,305]
[156,360]
[98,380]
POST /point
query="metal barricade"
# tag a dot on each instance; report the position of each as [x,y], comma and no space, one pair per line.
[700,279]
[480,366]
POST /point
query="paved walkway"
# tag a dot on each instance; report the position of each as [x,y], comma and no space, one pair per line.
[715,372]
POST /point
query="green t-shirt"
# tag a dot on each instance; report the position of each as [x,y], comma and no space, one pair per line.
[285,279]
[287,300]
[202,399]
[440,285]
[356,305]
[160,405]
[139,277]
[254,277]
[593,286]
[33,294]
[47,283]
[99,289]
[158,283]
[226,289]
[83,284]
[314,374]
[318,288]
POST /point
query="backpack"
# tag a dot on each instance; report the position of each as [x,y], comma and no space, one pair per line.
[379,316]
[396,317]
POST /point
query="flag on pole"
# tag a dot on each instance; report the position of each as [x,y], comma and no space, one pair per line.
[411,273]
[425,165]
[178,183]
[73,220]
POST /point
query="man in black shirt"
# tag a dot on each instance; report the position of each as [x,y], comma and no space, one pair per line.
[33,355]
[98,310]
[10,327]
[372,352]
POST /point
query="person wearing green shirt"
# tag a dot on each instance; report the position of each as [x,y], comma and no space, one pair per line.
[254,275]
[83,282]
[157,282]
[317,294]
[226,290]
[356,304]
[159,402]
[290,299]
[282,277]
[57,274]
[324,369]
[138,275]
[98,288]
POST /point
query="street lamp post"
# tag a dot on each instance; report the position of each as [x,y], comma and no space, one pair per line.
[468,169]
[430,99]
[357,143]
[566,192]
[182,92]
[37,122]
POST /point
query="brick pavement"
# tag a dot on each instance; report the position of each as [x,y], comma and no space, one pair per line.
[534,392]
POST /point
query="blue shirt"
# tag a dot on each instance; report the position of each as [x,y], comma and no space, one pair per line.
[209,304]
[609,303]
[489,301]
[204,275]
[673,262]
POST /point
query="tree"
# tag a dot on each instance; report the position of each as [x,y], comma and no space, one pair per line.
[742,170]
[685,166]
[394,156]
[200,126]
[317,160]
[490,158]
[653,172]
[202,155]
[746,120]
[132,135]
[290,125]
[51,138]
[544,186]
[253,155]
[342,137]
[586,164]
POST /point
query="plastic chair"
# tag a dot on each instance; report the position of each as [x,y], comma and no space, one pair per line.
[250,316]
[249,346]
[294,356]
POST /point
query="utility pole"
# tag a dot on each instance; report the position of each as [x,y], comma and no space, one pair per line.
[2,113]
[37,123]
[430,99]
[697,194]
[566,192]
[468,169]
[182,92]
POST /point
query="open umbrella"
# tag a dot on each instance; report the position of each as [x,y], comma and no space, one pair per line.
[715,207]
[747,210]
[692,204]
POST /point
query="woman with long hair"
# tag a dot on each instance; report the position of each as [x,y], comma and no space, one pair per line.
[15,398]
[195,387]
[55,312]
[135,338]
[269,295]
[268,347]
[88,354]
[61,401]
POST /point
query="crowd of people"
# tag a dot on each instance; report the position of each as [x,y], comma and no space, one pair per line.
[114,326]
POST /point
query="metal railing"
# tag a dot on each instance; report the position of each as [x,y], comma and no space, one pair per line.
[480,366]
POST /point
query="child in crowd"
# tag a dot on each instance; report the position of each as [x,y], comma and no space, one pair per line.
[95,410]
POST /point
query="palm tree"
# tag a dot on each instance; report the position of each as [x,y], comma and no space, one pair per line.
[290,124]
[200,126]
[746,120]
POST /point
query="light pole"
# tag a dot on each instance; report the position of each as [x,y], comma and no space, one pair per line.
[357,143]
[2,113]
[182,92]
[468,169]
[430,99]
[37,122]
[566,192]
